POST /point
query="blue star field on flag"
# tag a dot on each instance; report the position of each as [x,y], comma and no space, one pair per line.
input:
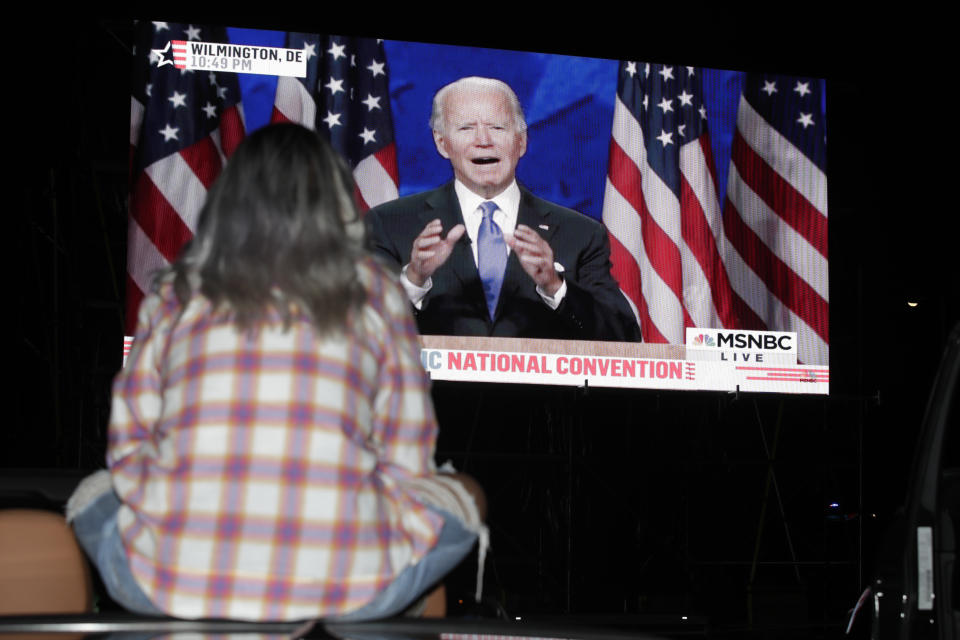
[182,107]
[792,106]
[667,101]
[348,79]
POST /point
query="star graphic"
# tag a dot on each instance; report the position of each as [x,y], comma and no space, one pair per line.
[377,68]
[210,110]
[806,119]
[666,105]
[332,119]
[372,102]
[665,138]
[769,87]
[222,93]
[178,99]
[160,26]
[334,85]
[193,33]
[631,68]
[803,88]
[353,59]
[686,99]
[703,112]
[169,133]
[646,69]
[680,130]
[690,71]
[367,135]
[646,101]
[149,89]
[213,78]
[309,49]
[336,50]
[667,73]
[157,55]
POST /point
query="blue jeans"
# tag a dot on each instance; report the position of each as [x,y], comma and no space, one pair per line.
[453,545]
[96,529]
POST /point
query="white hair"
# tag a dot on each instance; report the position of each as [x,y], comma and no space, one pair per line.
[437,115]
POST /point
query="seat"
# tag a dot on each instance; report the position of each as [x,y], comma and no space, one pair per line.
[42,568]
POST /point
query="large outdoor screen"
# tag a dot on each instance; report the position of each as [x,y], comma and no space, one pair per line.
[705,192]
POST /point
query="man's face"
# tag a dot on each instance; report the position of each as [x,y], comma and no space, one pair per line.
[481,139]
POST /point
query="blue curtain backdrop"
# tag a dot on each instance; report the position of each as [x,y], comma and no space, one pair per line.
[568,102]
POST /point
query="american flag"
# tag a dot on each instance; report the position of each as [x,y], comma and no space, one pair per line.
[183,126]
[661,207]
[763,263]
[775,214]
[346,97]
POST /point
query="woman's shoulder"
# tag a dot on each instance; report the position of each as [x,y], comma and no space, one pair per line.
[382,285]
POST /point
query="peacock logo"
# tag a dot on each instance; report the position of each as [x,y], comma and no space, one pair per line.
[701,340]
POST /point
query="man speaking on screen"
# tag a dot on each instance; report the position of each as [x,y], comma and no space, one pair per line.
[482,256]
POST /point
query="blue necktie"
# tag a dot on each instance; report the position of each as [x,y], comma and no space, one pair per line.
[491,256]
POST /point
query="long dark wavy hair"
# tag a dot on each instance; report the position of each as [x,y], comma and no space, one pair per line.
[279,230]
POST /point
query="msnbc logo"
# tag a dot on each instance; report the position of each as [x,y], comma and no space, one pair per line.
[703,339]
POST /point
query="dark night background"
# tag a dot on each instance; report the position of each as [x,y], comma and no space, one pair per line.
[630,505]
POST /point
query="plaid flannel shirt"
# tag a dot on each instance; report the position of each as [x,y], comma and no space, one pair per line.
[259,471]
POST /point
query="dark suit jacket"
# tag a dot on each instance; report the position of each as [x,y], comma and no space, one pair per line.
[592,309]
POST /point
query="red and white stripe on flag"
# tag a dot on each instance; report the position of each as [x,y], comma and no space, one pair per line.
[661,207]
[183,126]
[165,202]
[775,221]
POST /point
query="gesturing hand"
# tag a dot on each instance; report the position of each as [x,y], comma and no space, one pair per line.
[536,258]
[430,250]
